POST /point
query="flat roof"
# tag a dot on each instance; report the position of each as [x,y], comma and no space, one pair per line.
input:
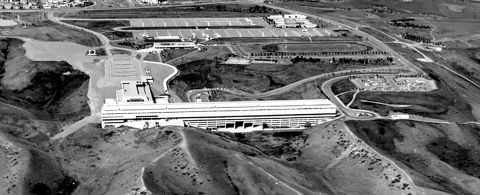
[133,88]
[219,105]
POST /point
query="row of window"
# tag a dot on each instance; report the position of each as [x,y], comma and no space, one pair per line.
[190,111]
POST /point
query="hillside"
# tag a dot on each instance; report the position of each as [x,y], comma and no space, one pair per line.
[25,169]
[323,160]
[51,89]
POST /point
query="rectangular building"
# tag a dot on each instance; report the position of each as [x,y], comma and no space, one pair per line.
[241,116]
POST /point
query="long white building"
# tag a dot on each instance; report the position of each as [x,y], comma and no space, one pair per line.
[144,111]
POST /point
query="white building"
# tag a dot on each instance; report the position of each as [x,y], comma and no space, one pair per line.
[135,106]
[291,21]
[175,45]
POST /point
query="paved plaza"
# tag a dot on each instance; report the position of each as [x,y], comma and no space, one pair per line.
[123,67]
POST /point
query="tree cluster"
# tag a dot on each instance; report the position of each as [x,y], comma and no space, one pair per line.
[406,23]
[287,54]
[229,8]
[341,61]
[416,38]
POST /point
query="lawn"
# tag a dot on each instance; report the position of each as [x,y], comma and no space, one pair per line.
[207,52]
[452,29]
[318,47]
[50,31]
[343,85]
[170,54]
[194,11]
[104,27]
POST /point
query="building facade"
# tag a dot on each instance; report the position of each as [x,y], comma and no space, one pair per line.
[242,116]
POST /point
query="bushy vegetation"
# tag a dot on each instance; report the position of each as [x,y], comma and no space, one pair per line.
[284,145]
[345,61]
[406,23]
[200,11]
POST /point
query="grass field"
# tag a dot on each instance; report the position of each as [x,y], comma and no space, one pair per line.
[278,39]
[446,8]
[104,27]
[49,31]
[318,47]
[153,57]
[451,29]
[207,52]
[170,54]
[343,85]
[200,11]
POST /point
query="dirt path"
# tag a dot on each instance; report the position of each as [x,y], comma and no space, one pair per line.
[339,158]
[278,181]
[347,129]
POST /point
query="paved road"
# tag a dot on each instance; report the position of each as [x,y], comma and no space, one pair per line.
[354,113]
[354,28]
[414,46]
[95,115]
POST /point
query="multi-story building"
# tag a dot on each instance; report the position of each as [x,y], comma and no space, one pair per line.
[135,106]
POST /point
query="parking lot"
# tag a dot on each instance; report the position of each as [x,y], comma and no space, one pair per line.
[218,33]
[189,22]
[389,83]
[206,33]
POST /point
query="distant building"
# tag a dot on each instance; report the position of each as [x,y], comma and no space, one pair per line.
[291,21]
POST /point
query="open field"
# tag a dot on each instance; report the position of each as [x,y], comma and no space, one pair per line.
[198,11]
[318,47]
[105,27]
[343,85]
[446,30]
[170,54]
[49,31]
[269,40]
[461,9]
[207,52]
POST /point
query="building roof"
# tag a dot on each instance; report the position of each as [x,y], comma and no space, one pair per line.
[222,105]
